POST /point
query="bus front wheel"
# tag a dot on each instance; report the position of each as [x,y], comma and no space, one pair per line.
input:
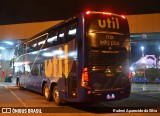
[47,93]
[56,96]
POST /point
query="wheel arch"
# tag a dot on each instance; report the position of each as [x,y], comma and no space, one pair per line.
[51,86]
[43,83]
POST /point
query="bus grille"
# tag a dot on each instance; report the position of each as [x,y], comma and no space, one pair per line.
[99,80]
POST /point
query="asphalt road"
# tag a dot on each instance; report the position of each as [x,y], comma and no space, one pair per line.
[21,100]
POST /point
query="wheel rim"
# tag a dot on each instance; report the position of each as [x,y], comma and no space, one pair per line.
[46,92]
[56,96]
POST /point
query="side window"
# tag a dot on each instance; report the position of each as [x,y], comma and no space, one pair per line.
[19,70]
[27,69]
[37,69]
[52,39]
[72,31]
[62,35]
[36,43]
[24,48]
[32,46]
[40,42]
[19,50]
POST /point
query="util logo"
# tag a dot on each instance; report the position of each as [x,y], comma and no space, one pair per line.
[56,66]
[111,23]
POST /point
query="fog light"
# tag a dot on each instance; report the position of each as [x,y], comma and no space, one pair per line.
[73,93]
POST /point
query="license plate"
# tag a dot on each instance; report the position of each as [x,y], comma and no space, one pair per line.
[110,74]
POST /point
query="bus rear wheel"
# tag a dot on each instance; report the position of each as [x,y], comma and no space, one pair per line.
[47,93]
[56,96]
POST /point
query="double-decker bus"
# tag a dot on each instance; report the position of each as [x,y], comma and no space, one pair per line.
[82,59]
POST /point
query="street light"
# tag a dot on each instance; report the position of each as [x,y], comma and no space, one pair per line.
[142,49]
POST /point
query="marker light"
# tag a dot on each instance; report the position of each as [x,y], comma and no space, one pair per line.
[107,13]
[54,38]
[88,12]
[123,16]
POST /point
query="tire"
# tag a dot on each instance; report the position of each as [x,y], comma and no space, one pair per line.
[47,93]
[56,96]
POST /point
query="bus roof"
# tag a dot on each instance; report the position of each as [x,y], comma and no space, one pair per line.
[69,19]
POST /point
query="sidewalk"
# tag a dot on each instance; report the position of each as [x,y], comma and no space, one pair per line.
[7,84]
[138,87]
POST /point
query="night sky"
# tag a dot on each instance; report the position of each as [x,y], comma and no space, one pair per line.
[24,11]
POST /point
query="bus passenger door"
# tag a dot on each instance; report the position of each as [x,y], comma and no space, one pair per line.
[27,75]
[72,86]
[36,77]
[72,78]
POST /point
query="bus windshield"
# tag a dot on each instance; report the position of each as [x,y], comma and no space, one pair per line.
[107,40]
[107,31]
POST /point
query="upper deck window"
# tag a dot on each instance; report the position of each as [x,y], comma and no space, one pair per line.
[62,35]
[72,31]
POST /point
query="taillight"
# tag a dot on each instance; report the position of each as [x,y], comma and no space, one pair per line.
[130,74]
[85,78]
[88,12]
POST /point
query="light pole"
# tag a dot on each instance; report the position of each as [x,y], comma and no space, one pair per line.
[144,68]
